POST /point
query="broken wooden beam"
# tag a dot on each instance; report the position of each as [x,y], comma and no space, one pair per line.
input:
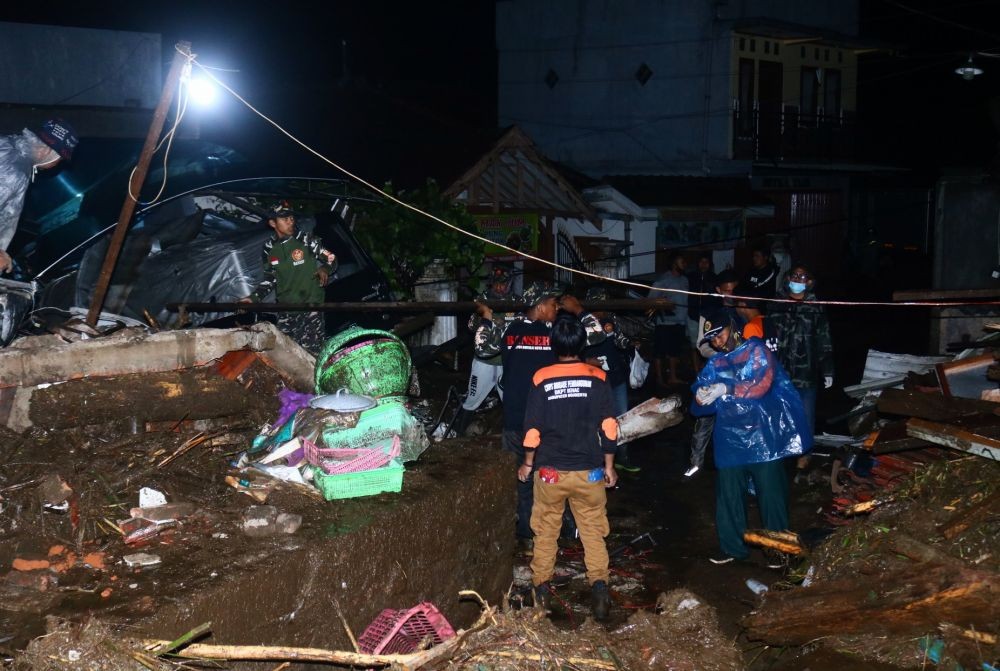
[782,541]
[909,602]
[954,437]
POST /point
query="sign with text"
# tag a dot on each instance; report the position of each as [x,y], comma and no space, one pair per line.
[519,231]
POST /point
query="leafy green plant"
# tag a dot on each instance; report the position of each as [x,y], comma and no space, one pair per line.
[404,243]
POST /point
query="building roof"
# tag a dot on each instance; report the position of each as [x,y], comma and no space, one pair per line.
[795,33]
[514,175]
[686,191]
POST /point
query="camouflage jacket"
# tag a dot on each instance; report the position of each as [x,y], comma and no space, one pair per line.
[804,345]
[489,334]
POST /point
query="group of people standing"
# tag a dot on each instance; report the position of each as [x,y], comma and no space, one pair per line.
[766,349]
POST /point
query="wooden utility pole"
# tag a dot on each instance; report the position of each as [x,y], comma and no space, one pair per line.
[181,57]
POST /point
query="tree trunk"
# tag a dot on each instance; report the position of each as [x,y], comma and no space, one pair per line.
[914,602]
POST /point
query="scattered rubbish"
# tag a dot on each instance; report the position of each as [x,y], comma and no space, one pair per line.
[756,586]
[259,492]
[141,560]
[56,507]
[688,604]
[54,493]
[165,512]
[137,529]
[150,498]
[648,418]
[259,521]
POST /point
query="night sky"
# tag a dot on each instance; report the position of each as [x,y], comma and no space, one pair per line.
[417,88]
[416,96]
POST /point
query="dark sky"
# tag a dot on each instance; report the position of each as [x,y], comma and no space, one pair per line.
[913,109]
[420,83]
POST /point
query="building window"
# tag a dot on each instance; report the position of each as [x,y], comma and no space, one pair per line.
[743,44]
[745,99]
[831,96]
[802,52]
[816,53]
[551,78]
[776,46]
[767,47]
[808,97]
[826,55]
[840,56]
[753,45]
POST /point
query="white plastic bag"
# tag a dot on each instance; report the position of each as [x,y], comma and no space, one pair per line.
[638,371]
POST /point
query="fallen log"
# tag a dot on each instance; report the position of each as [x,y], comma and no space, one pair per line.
[974,514]
[782,541]
[910,602]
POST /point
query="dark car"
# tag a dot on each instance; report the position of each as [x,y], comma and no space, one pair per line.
[205,245]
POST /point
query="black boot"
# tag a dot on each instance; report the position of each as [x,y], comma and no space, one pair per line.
[543,596]
[600,600]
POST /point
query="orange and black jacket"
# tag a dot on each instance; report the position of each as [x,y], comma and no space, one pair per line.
[570,419]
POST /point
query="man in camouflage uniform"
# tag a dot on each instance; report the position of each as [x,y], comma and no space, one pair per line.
[486,372]
[523,345]
[296,269]
[804,344]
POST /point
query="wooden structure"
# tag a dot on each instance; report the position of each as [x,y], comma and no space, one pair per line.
[514,178]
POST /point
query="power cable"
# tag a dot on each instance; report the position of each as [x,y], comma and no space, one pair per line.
[553,264]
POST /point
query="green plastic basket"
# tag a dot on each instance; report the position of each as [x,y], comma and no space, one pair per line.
[363,483]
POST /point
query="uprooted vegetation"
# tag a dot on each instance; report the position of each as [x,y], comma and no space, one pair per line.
[916,581]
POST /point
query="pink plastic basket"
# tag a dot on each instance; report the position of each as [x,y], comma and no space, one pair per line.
[401,631]
[339,461]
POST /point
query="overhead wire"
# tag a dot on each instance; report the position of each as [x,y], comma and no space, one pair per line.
[537,259]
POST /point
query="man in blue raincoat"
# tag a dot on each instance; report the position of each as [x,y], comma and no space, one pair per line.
[759,421]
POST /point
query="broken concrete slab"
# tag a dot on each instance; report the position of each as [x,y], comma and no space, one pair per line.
[41,360]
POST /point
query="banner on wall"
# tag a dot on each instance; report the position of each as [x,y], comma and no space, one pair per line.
[519,231]
[675,231]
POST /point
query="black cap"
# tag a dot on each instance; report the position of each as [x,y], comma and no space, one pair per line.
[716,319]
[281,209]
[725,277]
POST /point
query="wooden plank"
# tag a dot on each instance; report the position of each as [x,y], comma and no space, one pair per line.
[966,377]
[971,515]
[955,438]
[935,407]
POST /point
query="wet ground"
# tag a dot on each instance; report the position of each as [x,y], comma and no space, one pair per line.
[676,512]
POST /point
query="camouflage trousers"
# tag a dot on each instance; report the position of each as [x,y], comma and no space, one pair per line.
[308,329]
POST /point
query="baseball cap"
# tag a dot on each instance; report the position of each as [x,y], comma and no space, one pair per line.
[539,291]
[60,136]
[281,209]
[715,320]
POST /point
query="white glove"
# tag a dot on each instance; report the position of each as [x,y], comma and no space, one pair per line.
[709,394]
[827,382]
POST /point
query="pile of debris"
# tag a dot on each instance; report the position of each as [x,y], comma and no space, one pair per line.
[682,634]
[912,574]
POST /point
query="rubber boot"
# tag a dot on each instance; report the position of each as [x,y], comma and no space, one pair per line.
[600,600]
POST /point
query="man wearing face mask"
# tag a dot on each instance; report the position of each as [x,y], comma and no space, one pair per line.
[21,156]
[804,344]
[759,421]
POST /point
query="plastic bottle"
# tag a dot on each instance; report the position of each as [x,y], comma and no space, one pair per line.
[756,586]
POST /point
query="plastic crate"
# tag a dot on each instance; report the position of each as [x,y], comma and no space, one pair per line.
[336,461]
[401,631]
[363,483]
